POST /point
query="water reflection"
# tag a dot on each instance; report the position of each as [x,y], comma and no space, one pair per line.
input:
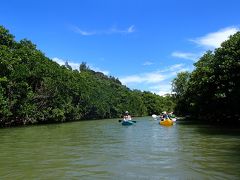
[107,150]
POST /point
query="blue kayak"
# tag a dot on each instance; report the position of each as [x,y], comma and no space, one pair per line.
[127,123]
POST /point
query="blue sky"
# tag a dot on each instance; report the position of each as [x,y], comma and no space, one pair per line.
[144,43]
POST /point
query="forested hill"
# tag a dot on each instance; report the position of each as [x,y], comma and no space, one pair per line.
[34,89]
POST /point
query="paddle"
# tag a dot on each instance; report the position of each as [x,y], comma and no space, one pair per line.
[129,120]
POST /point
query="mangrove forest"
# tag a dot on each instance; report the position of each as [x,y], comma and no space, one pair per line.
[211,92]
[35,90]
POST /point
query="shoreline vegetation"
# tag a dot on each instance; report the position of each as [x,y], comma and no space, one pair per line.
[211,92]
[36,90]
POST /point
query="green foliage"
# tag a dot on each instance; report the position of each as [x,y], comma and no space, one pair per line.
[6,39]
[34,89]
[180,83]
[157,104]
[180,88]
[213,90]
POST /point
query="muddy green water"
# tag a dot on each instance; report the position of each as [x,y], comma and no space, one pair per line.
[104,149]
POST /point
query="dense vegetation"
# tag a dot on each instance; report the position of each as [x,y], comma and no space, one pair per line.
[212,91]
[34,89]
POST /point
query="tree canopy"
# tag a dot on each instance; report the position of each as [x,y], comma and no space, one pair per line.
[212,91]
[34,89]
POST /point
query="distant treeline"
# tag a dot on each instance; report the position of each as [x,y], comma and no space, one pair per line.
[212,91]
[34,89]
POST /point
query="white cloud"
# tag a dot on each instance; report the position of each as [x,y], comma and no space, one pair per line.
[59,61]
[132,79]
[147,63]
[186,55]
[76,65]
[62,62]
[161,89]
[156,76]
[82,32]
[210,40]
[214,39]
[98,70]
[173,70]
[175,67]
[153,77]
[160,86]
[112,30]
[158,82]
[131,29]
[162,93]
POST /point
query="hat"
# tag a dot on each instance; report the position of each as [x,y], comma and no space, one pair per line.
[164,112]
[126,112]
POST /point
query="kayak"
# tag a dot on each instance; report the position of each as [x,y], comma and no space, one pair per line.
[166,122]
[127,123]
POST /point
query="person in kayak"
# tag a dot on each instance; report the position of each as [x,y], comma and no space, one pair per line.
[127,117]
[165,115]
[171,115]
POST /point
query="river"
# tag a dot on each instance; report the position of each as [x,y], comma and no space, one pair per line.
[104,149]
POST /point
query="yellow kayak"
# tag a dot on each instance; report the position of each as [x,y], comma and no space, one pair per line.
[166,122]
